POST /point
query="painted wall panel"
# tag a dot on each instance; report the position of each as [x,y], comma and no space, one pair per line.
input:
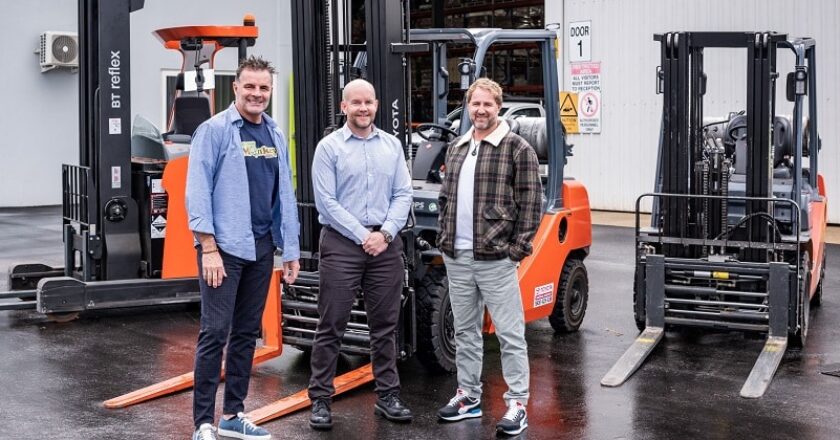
[619,164]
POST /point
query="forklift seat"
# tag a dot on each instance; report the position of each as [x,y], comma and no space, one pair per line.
[783,145]
[532,129]
[189,112]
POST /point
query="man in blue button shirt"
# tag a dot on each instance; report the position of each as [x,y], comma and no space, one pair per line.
[363,195]
[241,208]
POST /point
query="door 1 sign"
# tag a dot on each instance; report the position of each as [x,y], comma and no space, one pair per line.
[580,42]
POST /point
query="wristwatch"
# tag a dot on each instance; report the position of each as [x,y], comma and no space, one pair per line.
[387,235]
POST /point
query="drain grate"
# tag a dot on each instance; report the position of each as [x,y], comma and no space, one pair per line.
[831,370]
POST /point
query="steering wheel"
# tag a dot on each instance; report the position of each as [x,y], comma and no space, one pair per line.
[435,127]
[737,132]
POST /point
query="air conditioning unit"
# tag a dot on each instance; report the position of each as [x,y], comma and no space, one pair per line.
[59,49]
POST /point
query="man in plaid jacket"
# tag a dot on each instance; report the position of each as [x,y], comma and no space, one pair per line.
[489,211]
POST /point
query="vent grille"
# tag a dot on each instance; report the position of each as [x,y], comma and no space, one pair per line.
[64,49]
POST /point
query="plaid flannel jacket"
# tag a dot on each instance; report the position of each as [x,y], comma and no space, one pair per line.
[507,198]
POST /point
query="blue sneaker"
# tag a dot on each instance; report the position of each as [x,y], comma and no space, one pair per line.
[205,432]
[241,427]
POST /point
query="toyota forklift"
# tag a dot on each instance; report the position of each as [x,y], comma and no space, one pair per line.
[126,241]
[553,280]
[737,233]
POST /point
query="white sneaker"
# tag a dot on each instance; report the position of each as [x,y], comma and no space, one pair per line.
[515,419]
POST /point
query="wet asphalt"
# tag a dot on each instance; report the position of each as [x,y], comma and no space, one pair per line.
[56,376]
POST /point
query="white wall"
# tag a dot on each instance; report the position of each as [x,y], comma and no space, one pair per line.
[40,116]
[619,164]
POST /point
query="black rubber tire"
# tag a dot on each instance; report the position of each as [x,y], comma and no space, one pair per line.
[816,300]
[799,335]
[639,304]
[435,323]
[63,317]
[572,298]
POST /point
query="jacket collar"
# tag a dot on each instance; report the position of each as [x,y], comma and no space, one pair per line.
[494,138]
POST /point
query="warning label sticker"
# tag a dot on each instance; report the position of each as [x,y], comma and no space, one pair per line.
[158,229]
[543,294]
[569,111]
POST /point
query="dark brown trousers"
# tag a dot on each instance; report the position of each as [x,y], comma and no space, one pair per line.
[345,269]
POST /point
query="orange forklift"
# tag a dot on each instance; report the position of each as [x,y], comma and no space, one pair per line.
[553,280]
[126,242]
[737,234]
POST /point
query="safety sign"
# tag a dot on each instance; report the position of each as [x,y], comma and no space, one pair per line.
[569,112]
[589,107]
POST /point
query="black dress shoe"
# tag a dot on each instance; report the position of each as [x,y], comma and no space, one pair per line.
[321,417]
[392,408]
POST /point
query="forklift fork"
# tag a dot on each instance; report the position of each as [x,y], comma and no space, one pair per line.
[272,347]
[769,359]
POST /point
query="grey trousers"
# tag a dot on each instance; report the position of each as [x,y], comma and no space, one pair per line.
[472,286]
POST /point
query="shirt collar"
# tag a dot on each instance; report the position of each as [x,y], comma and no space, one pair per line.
[236,118]
[346,133]
[494,138]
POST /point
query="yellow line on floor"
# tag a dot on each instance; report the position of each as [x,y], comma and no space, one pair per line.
[628,219]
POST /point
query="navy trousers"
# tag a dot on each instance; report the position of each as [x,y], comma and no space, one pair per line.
[230,314]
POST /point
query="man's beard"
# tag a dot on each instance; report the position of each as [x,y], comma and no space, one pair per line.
[355,122]
[485,123]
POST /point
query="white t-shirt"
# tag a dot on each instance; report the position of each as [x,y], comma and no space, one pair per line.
[466,191]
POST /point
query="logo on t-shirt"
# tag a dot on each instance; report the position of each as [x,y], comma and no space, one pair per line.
[251,150]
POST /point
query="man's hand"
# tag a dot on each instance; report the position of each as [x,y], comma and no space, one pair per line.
[375,243]
[213,269]
[290,271]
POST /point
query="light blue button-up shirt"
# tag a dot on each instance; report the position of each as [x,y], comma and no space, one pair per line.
[361,182]
[217,189]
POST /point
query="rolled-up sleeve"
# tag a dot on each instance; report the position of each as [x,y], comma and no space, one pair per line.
[290,221]
[201,171]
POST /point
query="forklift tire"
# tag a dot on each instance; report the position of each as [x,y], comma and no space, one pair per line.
[816,300]
[572,297]
[435,323]
[639,303]
[800,332]
[62,317]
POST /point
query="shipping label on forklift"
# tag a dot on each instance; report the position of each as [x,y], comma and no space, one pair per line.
[543,294]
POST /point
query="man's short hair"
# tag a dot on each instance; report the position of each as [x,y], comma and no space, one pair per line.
[254,63]
[488,85]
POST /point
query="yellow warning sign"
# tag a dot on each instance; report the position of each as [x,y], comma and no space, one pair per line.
[568,112]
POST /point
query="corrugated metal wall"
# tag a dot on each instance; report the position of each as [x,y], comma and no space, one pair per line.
[619,164]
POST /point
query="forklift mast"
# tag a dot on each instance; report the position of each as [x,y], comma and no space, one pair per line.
[97,192]
[682,82]
[323,63]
